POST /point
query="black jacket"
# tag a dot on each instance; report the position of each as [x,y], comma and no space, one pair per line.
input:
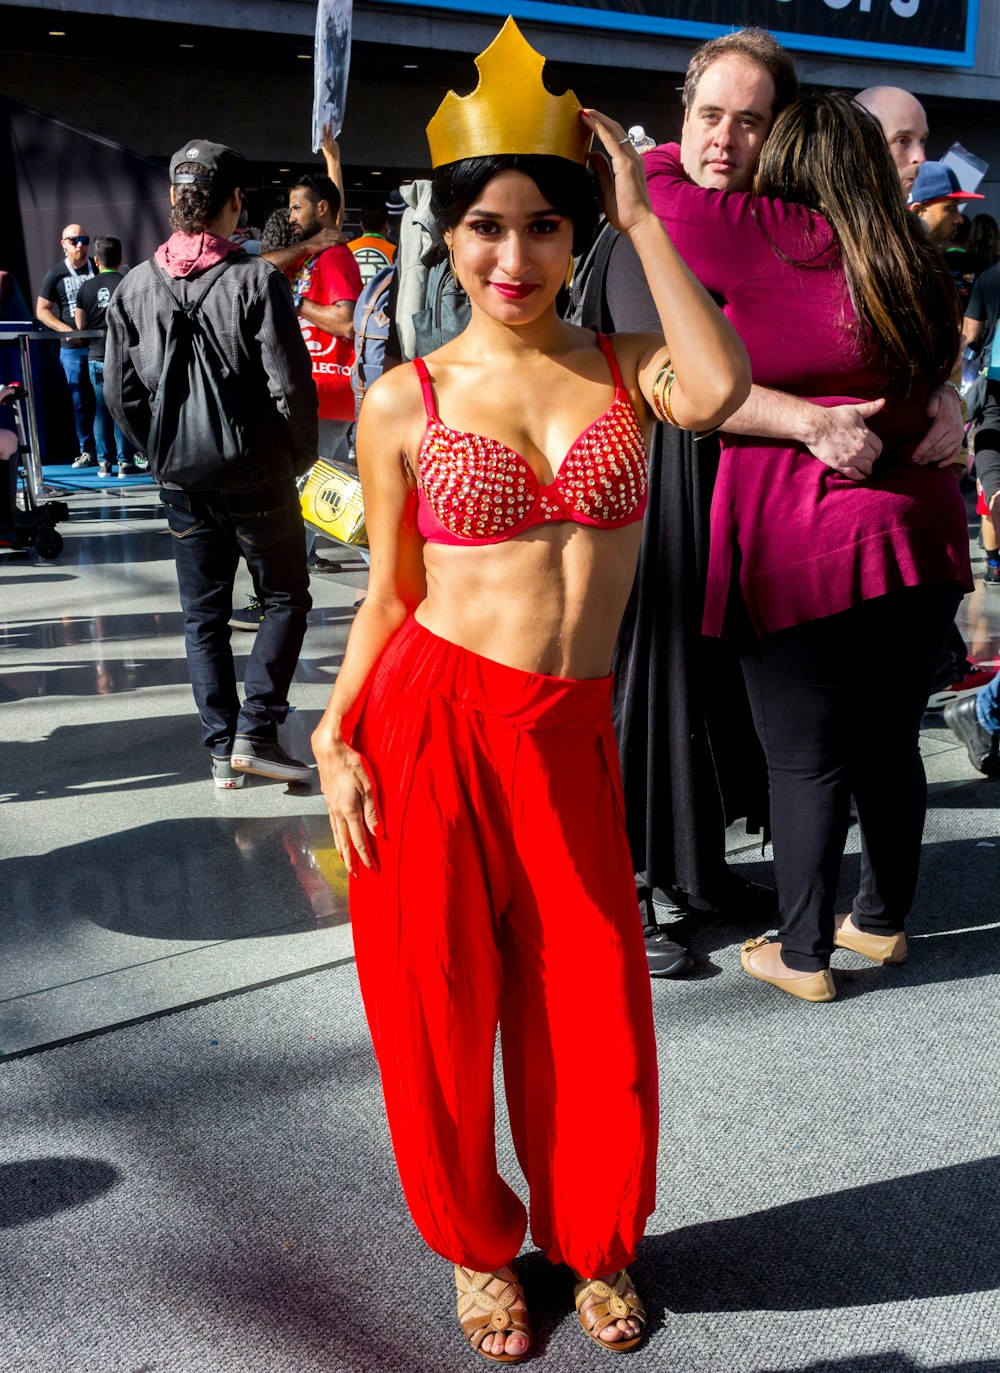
[251,312]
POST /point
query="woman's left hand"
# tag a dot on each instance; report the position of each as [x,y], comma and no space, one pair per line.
[624,195]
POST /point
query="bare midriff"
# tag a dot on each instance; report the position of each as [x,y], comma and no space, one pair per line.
[549,600]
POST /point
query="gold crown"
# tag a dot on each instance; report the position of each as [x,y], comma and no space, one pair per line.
[510,111]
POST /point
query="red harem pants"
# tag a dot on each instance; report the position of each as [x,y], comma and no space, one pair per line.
[504,894]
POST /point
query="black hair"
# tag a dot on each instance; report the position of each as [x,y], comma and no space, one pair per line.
[277,232]
[566,185]
[108,251]
[195,206]
[984,241]
[319,187]
[373,218]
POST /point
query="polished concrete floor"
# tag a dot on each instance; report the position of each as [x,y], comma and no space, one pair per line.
[133,885]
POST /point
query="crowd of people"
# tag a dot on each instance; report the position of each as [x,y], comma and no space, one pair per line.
[633,540]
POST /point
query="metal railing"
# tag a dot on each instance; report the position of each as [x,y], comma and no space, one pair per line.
[24,339]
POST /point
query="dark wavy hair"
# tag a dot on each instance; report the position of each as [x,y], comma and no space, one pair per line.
[197,205]
[830,154]
[566,186]
[277,232]
[984,241]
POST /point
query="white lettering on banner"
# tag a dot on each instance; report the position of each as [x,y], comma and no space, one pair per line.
[331,369]
[905,9]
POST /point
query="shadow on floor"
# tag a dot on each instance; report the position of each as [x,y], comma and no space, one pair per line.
[42,1187]
[913,1238]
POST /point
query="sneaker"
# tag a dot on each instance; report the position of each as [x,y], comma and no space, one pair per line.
[323,566]
[224,775]
[127,469]
[251,617]
[267,758]
[85,460]
[991,577]
[141,461]
[664,956]
[104,469]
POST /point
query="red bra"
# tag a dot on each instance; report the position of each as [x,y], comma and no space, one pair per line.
[475,490]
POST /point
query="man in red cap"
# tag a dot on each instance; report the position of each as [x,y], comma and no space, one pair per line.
[937,199]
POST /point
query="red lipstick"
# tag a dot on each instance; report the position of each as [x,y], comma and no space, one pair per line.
[513,290]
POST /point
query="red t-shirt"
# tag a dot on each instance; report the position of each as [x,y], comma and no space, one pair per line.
[329,276]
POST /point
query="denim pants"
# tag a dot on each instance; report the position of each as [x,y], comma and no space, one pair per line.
[112,445]
[829,729]
[988,705]
[74,364]
[210,530]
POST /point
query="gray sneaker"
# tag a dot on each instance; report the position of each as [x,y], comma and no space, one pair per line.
[85,460]
[224,775]
[267,758]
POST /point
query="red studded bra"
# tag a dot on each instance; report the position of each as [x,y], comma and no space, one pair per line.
[475,490]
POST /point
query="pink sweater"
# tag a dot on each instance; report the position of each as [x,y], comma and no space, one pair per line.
[811,542]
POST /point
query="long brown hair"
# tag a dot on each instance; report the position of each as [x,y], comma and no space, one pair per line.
[827,152]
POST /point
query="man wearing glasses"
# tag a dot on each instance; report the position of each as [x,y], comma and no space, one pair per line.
[54,308]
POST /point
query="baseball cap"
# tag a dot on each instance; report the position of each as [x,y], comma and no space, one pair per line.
[935,181]
[228,166]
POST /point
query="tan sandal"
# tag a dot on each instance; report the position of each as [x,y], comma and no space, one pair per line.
[482,1314]
[618,1301]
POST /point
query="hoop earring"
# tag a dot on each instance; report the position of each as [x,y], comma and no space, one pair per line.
[569,273]
[451,265]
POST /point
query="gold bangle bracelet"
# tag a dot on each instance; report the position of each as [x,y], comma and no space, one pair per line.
[661,389]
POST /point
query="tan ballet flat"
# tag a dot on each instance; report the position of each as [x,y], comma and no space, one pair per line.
[617,1301]
[880,948]
[817,987]
[482,1314]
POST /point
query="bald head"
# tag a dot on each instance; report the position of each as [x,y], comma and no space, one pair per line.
[904,124]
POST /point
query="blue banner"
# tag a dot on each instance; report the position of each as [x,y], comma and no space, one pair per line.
[937,32]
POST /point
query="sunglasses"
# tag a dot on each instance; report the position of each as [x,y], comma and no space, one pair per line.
[83,239]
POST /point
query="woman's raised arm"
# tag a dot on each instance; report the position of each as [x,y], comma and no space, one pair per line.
[702,373]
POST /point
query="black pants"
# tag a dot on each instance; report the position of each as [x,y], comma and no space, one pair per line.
[987,443]
[832,724]
[211,530]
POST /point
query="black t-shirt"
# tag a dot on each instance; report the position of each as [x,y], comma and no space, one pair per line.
[962,266]
[93,299]
[61,286]
[984,305]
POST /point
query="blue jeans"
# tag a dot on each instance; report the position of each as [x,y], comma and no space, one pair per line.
[211,530]
[74,364]
[988,705]
[111,442]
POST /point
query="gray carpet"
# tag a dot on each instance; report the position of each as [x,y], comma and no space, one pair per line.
[213,1191]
